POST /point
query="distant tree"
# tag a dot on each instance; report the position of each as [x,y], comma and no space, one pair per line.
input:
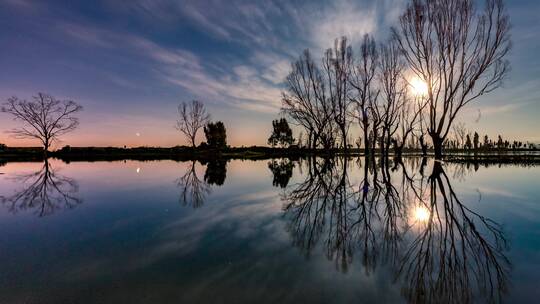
[486,141]
[476,140]
[45,117]
[500,142]
[468,144]
[281,134]
[191,118]
[216,135]
[460,132]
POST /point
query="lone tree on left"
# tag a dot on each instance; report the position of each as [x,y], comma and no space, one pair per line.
[44,117]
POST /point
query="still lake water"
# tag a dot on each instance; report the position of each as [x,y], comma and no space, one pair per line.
[268,232]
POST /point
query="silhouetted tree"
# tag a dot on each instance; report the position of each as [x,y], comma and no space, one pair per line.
[409,118]
[476,139]
[191,118]
[460,133]
[363,81]
[281,134]
[305,100]
[393,91]
[216,135]
[45,117]
[500,142]
[337,64]
[457,51]
[468,144]
[486,142]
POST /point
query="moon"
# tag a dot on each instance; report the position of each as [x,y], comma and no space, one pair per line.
[418,86]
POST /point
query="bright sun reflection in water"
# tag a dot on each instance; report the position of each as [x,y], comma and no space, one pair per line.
[418,86]
[421,214]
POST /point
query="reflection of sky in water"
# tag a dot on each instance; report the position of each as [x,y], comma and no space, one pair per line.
[131,240]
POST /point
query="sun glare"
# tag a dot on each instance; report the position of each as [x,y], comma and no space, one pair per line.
[418,86]
[421,214]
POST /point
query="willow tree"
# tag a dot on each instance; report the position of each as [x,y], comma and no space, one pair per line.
[45,118]
[458,50]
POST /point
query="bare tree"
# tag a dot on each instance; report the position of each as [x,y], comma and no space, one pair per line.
[393,91]
[362,80]
[45,117]
[457,51]
[337,64]
[191,118]
[460,132]
[305,101]
[410,116]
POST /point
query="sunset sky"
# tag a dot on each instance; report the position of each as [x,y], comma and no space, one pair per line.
[130,63]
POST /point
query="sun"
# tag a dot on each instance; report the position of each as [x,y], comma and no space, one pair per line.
[421,214]
[418,86]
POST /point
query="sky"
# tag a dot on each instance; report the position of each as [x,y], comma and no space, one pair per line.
[130,63]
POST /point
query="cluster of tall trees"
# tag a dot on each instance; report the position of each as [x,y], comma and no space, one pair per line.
[441,56]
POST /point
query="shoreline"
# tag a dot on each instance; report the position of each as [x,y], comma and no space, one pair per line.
[249,153]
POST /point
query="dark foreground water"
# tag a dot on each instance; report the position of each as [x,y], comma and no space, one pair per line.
[335,231]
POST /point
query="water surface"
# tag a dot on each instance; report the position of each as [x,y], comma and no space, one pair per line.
[310,231]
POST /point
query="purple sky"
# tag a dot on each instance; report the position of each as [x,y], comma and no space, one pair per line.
[129,63]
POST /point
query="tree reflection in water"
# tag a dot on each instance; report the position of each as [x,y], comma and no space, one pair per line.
[440,249]
[193,189]
[282,171]
[44,192]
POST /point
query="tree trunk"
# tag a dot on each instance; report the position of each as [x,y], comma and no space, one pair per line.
[437,145]
[366,139]
[399,151]
[344,135]
[423,146]
[46,147]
